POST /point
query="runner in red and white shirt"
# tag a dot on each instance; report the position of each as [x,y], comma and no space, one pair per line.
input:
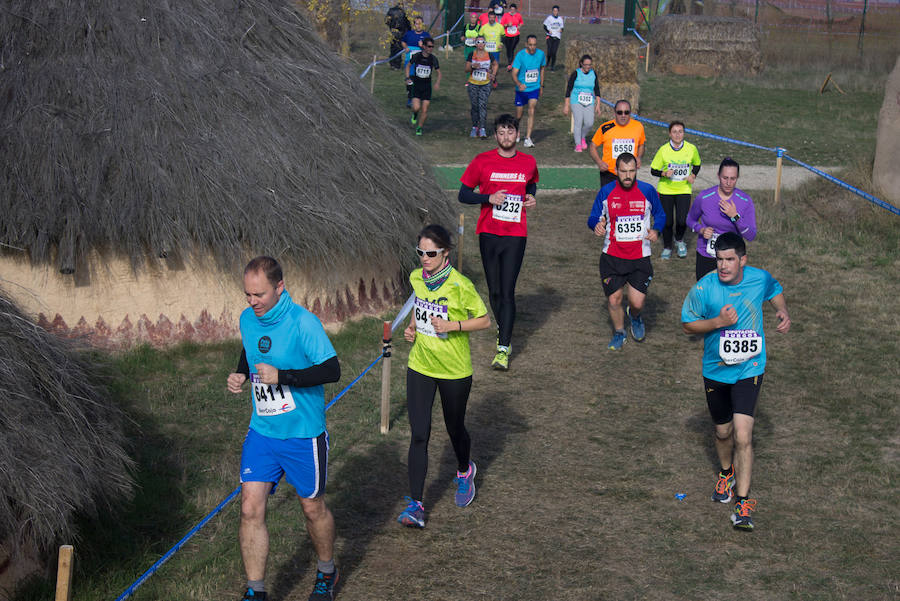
[622,214]
[507,182]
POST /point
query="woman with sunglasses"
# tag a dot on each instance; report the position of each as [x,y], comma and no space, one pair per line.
[447,307]
[482,70]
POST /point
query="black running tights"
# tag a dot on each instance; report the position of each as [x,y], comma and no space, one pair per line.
[420,390]
[502,257]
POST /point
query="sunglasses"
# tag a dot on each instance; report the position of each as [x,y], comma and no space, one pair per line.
[430,46]
[430,253]
[623,112]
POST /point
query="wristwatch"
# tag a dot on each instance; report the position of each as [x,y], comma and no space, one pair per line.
[735,218]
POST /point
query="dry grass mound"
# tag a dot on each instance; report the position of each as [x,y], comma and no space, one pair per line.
[705,45]
[61,439]
[212,127]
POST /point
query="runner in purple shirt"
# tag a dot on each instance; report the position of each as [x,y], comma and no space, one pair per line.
[720,209]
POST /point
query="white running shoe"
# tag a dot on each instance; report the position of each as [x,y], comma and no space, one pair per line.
[528,143]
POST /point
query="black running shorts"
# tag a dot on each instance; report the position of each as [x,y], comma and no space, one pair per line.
[615,272]
[724,400]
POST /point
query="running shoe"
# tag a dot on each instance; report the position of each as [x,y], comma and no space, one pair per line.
[251,595]
[465,486]
[494,85]
[741,519]
[637,326]
[617,341]
[323,590]
[681,247]
[508,68]
[578,147]
[528,143]
[482,133]
[418,131]
[666,253]
[474,133]
[517,139]
[724,491]
[413,515]
[583,144]
[501,360]
[413,119]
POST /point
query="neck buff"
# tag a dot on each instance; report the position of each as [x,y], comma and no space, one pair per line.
[434,281]
[275,314]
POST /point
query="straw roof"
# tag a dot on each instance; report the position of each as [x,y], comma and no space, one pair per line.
[60,438]
[214,128]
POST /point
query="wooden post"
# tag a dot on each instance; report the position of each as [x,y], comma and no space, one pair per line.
[779,152]
[372,85]
[459,247]
[447,46]
[386,377]
[64,573]
[581,12]
[647,57]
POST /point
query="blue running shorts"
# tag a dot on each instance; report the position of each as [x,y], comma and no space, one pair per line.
[302,461]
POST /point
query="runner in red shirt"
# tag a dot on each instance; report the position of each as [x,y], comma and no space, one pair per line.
[507,182]
[622,215]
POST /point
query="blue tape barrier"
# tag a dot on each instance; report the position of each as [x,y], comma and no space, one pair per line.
[873,199]
[404,311]
[779,152]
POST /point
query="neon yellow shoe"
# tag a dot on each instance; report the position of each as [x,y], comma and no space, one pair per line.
[501,360]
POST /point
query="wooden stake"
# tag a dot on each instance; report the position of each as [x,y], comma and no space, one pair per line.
[581,12]
[825,84]
[459,247]
[64,573]
[385,378]
[372,85]
[778,164]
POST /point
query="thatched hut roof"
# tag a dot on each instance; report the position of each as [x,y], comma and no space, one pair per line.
[61,439]
[206,129]
[705,45]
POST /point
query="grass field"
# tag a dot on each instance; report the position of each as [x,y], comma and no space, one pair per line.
[580,451]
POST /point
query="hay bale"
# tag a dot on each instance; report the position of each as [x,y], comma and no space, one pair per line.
[887,147]
[615,58]
[61,438]
[705,46]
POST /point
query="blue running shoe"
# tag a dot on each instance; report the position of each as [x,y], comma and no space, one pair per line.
[323,590]
[474,133]
[413,515]
[252,595]
[617,341]
[637,326]
[666,253]
[465,486]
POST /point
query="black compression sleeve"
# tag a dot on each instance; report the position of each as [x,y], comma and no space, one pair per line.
[468,196]
[531,188]
[696,169]
[596,86]
[571,83]
[656,172]
[243,367]
[323,373]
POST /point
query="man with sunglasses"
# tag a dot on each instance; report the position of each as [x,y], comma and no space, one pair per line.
[418,73]
[507,182]
[622,215]
[619,135]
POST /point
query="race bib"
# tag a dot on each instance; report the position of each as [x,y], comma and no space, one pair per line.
[630,228]
[622,145]
[711,245]
[679,171]
[479,75]
[490,46]
[271,399]
[532,75]
[512,30]
[470,42]
[585,98]
[736,346]
[423,71]
[510,209]
[555,27]
[424,311]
